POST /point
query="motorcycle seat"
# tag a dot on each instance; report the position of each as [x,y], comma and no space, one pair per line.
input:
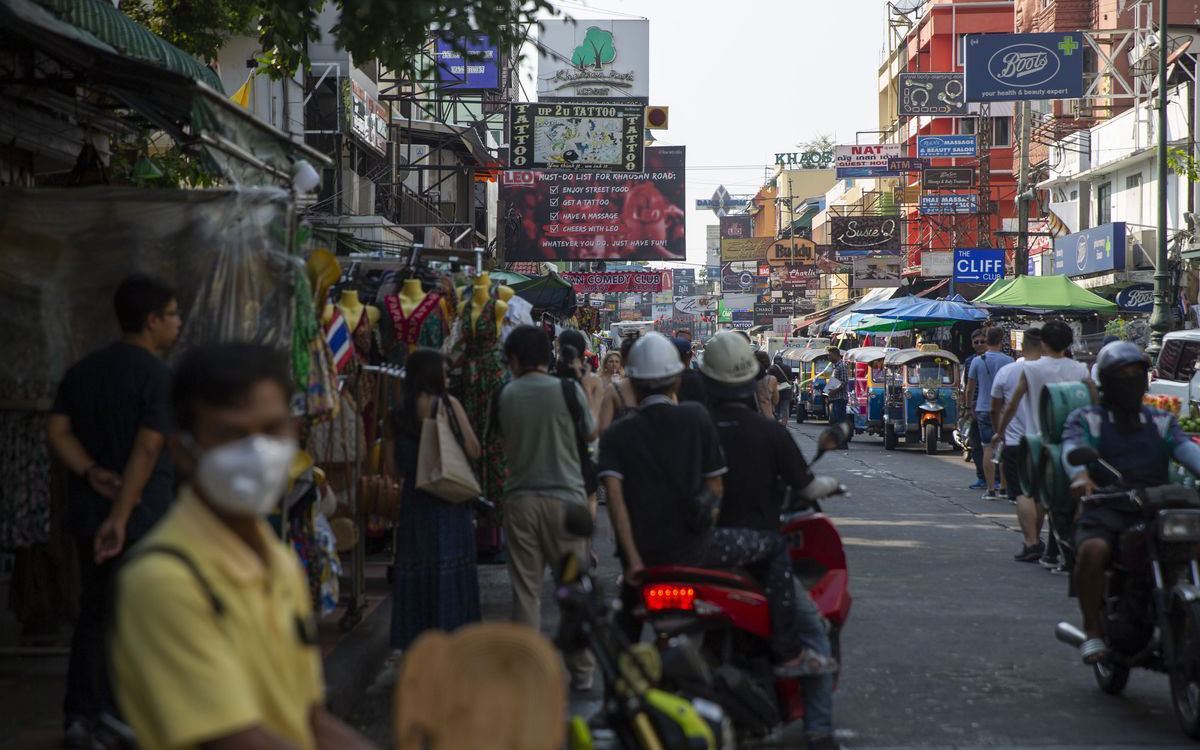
[728,577]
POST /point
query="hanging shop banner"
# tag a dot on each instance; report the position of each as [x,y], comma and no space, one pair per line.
[598,215]
[696,304]
[683,282]
[949,203]
[981,265]
[368,120]
[1136,298]
[906,195]
[593,59]
[907,163]
[468,65]
[936,265]
[736,227]
[750,248]
[793,250]
[547,135]
[864,234]
[941,178]
[827,260]
[876,271]
[739,277]
[612,283]
[932,94]
[945,146]
[865,160]
[1093,250]
[742,320]
[1015,67]
[794,278]
[661,312]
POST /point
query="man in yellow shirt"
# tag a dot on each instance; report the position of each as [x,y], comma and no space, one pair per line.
[214,644]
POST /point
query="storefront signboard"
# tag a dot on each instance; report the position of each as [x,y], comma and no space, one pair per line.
[945,146]
[941,178]
[562,136]
[865,160]
[907,163]
[1091,251]
[937,94]
[476,70]
[1136,298]
[614,283]
[981,265]
[793,250]
[876,271]
[949,203]
[1015,67]
[936,265]
[862,235]
[749,248]
[595,59]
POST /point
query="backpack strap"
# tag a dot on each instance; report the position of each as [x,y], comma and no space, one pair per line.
[568,389]
[218,606]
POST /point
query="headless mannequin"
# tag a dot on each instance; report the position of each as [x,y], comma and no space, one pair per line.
[479,292]
[411,294]
[351,308]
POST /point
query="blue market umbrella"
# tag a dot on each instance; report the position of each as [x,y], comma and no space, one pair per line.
[920,308]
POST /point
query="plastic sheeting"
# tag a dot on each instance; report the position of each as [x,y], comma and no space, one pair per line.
[64,251]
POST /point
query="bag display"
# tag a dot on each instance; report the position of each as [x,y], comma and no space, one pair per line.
[442,466]
[380,495]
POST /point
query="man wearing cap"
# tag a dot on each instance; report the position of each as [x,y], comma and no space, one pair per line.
[835,392]
[655,463]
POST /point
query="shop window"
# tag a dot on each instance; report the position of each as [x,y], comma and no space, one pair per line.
[1104,204]
[1001,132]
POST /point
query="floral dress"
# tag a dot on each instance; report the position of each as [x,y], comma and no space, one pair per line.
[425,326]
[483,373]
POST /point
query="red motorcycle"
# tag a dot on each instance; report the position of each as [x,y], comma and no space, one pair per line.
[725,612]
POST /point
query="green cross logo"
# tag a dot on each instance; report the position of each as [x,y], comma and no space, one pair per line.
[1068,46]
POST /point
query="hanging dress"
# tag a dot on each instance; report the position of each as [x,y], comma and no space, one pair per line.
[425,326]
[483,374]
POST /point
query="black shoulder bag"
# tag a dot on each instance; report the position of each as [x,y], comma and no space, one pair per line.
[581,444]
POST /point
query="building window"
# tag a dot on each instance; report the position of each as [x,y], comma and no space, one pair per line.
[966,126]
[1001,132]
[1074,195]
[1133,181]
[1104,204]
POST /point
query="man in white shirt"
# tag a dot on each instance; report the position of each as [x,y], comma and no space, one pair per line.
[1053,367]
[1029,513]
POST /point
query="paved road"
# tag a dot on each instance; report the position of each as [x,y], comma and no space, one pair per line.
[950,643]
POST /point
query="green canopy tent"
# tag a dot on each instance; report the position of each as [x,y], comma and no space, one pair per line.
[1043,293]
[550,293]
[508,278]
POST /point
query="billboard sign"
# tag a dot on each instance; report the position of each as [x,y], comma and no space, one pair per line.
[794,277]
[1015,67]
[1136,298]
[865,160]
[938,94]
[742,320]
[738,278]
[736,227]
[365,117]
[827,260]
[697,304]
[941,178]
[945,146]
[1093,250]
[750,248]
[793,250]
[978,265]
[598,215]
[876,271]
[864,235]
[949,203]
[614,283]
[683,282]
[936,265]
[477,70]
[593,59]
[907,163]
[576,136]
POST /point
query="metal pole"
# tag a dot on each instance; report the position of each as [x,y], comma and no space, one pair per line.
[1021,258]
[1160,318]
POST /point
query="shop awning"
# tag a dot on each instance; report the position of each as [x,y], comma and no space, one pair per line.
[549,292]
[1043,293]
[821,315]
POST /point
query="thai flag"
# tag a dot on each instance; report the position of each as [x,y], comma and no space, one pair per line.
[337,334]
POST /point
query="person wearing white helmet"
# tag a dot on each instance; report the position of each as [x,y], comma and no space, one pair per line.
[1136,440]
[762,458]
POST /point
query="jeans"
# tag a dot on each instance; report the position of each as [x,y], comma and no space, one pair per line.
[784,408]
[981,436]
[89,692]
[818,689]
[837,411]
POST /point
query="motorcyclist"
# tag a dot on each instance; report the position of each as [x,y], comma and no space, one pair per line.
[1137,441]
[763,459]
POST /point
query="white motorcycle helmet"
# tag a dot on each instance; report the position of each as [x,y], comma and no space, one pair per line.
[730,368]
[653,360]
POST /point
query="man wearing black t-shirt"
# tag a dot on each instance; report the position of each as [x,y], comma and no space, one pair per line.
[109,423]
[654,463]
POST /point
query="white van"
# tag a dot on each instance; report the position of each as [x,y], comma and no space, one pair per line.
[1175,370]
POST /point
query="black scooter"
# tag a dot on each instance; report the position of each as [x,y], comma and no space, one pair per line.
[1151,613]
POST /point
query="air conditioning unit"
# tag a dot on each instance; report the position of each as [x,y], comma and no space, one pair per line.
[350,196]
[407,153]
[1140,248]
[436,238]
[366,197]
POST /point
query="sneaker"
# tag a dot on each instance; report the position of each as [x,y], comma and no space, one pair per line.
[1048,562]
[1060,570]
[77,733]
[821,742]
[979,485]
[1030,554]
[989,495]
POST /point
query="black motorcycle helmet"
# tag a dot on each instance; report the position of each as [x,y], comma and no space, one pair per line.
[1122,367]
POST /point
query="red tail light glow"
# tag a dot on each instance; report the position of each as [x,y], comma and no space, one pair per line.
[662,596]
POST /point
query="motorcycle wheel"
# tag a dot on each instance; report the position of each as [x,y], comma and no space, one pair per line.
[931,438]
[1185,674]
[801,414]
[1111,678]
[889,437]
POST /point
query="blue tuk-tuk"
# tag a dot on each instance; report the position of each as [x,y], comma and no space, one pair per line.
[920,401]
[811,373]
[864,369]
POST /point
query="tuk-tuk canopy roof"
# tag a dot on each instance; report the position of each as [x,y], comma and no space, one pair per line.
[905,356]
[867,353]
[809,355]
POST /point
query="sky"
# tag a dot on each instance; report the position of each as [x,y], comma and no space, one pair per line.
[745,80]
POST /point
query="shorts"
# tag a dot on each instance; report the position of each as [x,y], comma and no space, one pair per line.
[1012,458]
[1105,522]
[983,423]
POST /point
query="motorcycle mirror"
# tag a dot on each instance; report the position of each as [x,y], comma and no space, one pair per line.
[833,437]
[1082,454]
[579,521]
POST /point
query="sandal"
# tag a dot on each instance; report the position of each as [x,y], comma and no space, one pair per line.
[1093,651]
[807,664]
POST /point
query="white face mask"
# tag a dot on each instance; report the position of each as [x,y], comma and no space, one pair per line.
[248,476]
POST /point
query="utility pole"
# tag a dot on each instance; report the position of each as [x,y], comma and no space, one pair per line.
[1161,317]
[1021,257]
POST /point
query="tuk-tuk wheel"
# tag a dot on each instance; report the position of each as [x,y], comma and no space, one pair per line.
[889,437]
[801,413]
[931,438]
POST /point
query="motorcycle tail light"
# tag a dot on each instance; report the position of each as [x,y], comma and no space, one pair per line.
[1179,526]
[665,596]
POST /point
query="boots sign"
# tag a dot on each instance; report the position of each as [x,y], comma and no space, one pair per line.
[1015,67]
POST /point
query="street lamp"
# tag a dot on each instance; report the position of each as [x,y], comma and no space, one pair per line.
[1161,318]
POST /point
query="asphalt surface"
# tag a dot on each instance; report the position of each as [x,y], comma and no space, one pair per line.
[950,642]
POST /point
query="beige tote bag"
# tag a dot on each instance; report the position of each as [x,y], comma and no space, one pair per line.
[442,466]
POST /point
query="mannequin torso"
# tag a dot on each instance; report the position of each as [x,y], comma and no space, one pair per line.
[480,294]
[352,309]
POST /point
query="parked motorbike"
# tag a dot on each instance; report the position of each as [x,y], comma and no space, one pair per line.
[724,612]
[638,712]
[1151,614]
